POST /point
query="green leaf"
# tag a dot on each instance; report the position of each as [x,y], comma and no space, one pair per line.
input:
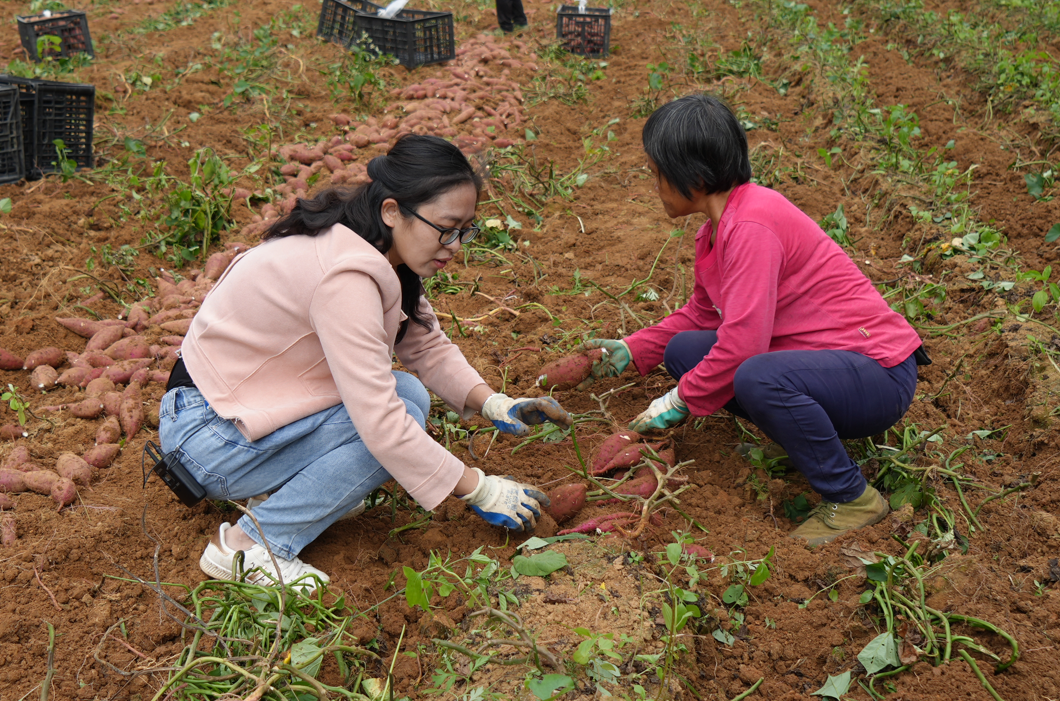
[833,595]
[880,653]
[5,205]
[414,594]
[735,595]
[908,493]
[1054,234]
[876,572]
[512,223]
[546,687]
[835,687]
[723,636]
[866,597]
[540,564]
[673,553]
[1039,300]
[1035,184]
[534,543]
[194,117]
[302,654]
[761,574]
[581,654]
[530,135]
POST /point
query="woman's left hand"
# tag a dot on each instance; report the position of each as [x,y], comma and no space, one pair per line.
[513,415]
[666,411]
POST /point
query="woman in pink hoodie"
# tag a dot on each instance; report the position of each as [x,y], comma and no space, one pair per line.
[781,329]
[286,383]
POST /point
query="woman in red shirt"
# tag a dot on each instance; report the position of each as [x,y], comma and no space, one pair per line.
[782,328]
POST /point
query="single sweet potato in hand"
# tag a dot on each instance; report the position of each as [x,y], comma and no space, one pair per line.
[74,468]
[10,361]
[102,455]
[44,356]
[567,501]
[568,372]
[612,446]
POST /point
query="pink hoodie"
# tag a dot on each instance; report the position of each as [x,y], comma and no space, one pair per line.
[299,324]
[772,281]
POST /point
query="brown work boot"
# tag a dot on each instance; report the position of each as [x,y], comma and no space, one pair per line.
[830,520]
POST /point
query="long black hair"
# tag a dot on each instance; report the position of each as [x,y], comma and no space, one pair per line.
[415,171]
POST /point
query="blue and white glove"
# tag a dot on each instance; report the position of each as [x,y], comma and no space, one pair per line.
[501,501]
[617,357]
[666,411]
[513,415]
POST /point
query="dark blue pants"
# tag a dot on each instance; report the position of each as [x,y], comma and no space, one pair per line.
[807,401]
[509,14]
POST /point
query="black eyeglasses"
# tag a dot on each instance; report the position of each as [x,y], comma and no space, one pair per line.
[447,235]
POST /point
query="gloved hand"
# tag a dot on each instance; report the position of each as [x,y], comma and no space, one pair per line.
[501,501]
[666,411]
[615,361]
[512,415]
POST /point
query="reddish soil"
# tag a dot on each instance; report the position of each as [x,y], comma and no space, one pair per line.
[76,567]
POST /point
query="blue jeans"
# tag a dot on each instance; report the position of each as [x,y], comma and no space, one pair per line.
[316,468]
[807,401]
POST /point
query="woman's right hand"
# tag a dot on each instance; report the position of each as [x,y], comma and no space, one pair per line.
[615,361]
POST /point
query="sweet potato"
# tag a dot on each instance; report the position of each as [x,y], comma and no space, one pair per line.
[8,534]
[63,492]
[86,328]
[217,263]
[44,356]
[87,408]
[137,319]
[612,446]
[131,415]
[120,373]
[568,372]
[112,403]
[11,432]
[105,338]
[642,485]
[10,361]
[179,326]
[567,501]
[629,456]
[109,431]
[159,376]
[101,455]
[98,387]
[172,340]
[12,480]
[44,377]
[141,376]
[151,415]
[74,468]
[6,502]
[697,551]
[18,456]
[129,348]
[73,377]
[96,359]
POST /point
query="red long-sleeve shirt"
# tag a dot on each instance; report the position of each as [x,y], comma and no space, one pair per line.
[772,281]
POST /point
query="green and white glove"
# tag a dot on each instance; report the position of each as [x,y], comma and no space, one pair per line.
[501,501]
[666,411]
[615,361]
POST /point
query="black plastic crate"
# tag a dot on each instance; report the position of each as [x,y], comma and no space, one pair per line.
[71,27]
[50,111]
[585,33]
[337,22]
[414,37]
[12,155]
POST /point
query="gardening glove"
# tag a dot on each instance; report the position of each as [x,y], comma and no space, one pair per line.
[666,411]
[614,363]
[501,501]
[512,415]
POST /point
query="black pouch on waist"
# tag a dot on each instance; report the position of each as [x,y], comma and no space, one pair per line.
[921,356]
[179,377]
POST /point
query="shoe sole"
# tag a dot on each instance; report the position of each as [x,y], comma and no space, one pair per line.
[214,570]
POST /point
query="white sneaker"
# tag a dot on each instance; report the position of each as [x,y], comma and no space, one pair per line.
[357,510]
[216,561]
